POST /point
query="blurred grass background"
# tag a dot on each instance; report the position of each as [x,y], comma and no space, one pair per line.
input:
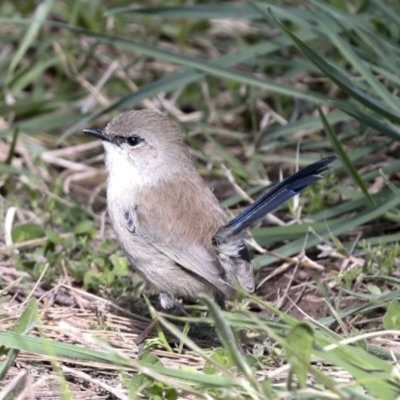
[259,89]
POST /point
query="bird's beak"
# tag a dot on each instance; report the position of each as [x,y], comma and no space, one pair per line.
[98,133]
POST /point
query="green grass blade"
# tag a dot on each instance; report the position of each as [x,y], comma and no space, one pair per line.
[57,349]
[386,130]
[301,338]
[336,228]
[183,78]
[229,341]
[208,11]
[388,12]
[42,10]
[340,152]
[376,87]
[341,80]
[25,324]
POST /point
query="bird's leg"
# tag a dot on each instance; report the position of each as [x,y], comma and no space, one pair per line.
[166,302]
[143,336]
[220,300]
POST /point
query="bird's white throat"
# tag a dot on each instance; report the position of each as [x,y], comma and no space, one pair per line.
[124,178]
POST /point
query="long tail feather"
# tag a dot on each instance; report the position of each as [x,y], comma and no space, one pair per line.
[280,193]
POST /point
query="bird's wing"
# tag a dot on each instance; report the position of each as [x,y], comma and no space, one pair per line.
[235,253]
[244,270]
[181,224]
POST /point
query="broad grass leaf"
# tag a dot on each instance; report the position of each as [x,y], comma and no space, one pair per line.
[300,339]
[391,320]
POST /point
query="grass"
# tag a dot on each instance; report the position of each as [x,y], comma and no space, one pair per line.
[258,89]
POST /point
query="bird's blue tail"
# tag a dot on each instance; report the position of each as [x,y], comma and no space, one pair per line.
[280,193]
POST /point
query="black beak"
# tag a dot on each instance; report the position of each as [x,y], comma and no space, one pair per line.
[98,133]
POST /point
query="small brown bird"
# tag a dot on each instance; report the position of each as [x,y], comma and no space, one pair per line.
[169,223]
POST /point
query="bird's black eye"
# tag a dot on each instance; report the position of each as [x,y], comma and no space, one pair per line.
[134,140]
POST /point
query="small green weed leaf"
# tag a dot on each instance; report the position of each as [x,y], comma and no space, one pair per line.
[84,227]
[209,369]
[92,280]
[136,383]
[26,232]
[53,237]
[150,358]
[391,320]
[120,264]
[170,393]
[155,391]
[107,277]
[221,357]
[99,262]
[253,362]
[300,339]
[373,289]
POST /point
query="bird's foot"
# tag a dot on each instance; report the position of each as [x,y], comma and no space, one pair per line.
[167,301]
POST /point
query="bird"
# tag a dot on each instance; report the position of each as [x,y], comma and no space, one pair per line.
[169,223]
